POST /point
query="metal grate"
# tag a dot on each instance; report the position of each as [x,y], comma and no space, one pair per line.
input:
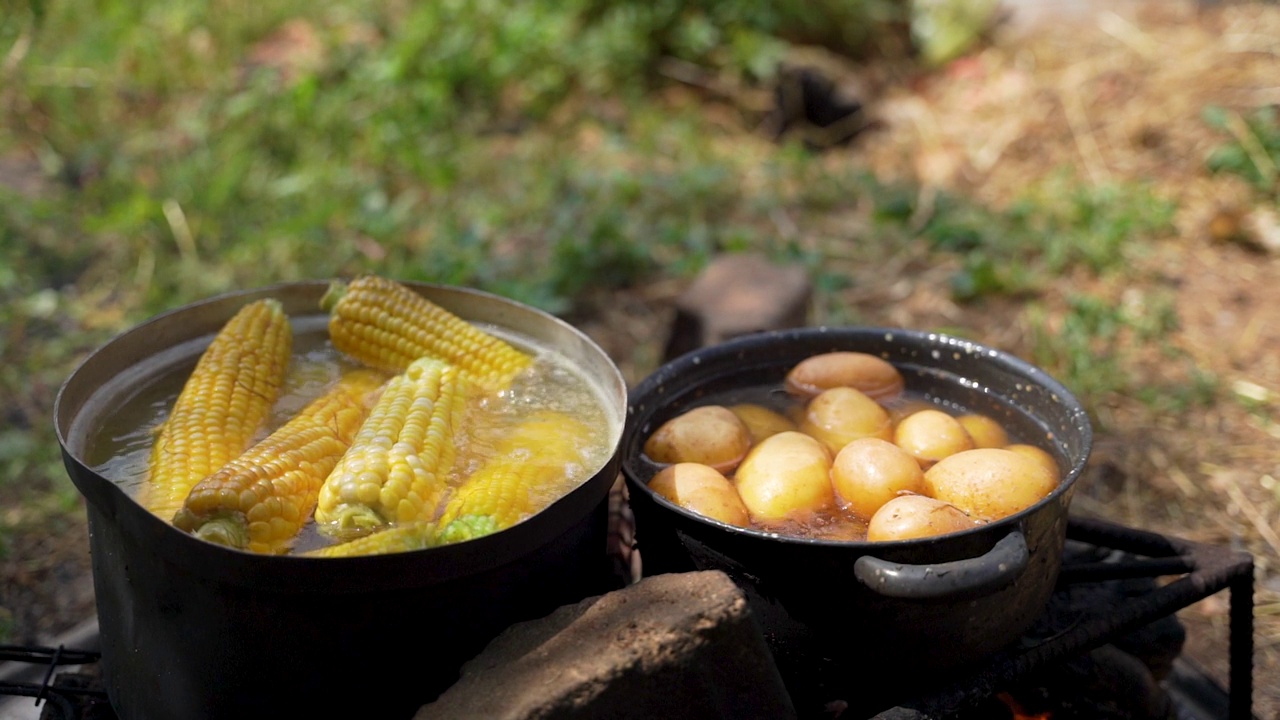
[1205,570]
[62,695]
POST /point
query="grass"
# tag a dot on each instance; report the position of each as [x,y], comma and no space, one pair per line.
[1250,149]
[193,147]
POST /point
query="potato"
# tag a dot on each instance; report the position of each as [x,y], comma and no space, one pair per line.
[710,434]
[989,483]
[916,516]
[841,415]
[870,472]
[986,433]
[702,489]
[1037,454]
[867,373]
[761,421]
[930,435]
[785,476]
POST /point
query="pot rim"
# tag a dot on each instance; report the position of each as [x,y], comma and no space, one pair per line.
[738,350]
[457,559]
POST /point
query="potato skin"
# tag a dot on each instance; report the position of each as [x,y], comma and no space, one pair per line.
[785,476]
[838,416]
[702,489]
[710,434]
[1037,454]
[986,433]
[989,483]
[908,517]
[870,472]
[867,373]
[761,421]
[930,435]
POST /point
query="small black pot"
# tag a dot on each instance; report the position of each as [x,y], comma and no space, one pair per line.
[903,613]
[192,630]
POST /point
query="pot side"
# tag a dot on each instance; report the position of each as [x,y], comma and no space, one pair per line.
[194,630]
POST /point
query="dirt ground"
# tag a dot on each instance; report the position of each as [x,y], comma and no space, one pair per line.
[1117,95]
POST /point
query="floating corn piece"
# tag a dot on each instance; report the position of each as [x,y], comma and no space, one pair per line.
[531,467]
[396,470]
[261,500]
[386,325]
[222,405]
[414,536]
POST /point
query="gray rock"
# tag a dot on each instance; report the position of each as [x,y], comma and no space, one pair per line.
[678,645]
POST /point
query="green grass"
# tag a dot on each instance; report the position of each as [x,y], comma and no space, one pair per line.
[520,148]
[1250,148]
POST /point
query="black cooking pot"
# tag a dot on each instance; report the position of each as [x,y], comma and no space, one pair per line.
[195,630]
[860,621]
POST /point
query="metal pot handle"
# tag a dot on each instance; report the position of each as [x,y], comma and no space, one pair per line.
[959,579]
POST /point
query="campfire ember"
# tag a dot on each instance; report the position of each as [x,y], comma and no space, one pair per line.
[1019,712]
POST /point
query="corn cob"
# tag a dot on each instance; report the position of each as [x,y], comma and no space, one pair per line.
[414,536]
[260,500]
[386,325]
[221,406]
[399,463]
[466,527]
[529,469]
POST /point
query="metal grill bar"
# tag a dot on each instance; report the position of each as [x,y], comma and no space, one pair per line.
[62,700]
[1208,570]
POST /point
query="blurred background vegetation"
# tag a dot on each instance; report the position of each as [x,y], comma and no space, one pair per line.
[152,154]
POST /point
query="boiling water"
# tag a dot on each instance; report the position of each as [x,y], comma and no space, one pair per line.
[120,449]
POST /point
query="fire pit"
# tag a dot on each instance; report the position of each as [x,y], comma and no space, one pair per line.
[1192,571]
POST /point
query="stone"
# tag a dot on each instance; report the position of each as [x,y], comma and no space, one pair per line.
[675,645]
[737,295]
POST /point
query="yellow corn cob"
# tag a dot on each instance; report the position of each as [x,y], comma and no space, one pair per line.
[528,471]
[260,500]
[414,536]
[399,463]
[386,325]
[222,405]
[467,527]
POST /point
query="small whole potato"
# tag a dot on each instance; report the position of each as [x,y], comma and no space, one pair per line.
[761,421]
[930,435]
[915,516]
[986,433]
[841,415]
[867,373]
[710,434]
[870,472]
[1037,454]
[784,476]
[989,483]
[702,489]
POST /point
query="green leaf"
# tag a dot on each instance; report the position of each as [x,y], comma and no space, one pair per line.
[1216,117]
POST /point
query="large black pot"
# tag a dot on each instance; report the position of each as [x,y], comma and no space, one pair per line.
[194,630]
[904,613]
